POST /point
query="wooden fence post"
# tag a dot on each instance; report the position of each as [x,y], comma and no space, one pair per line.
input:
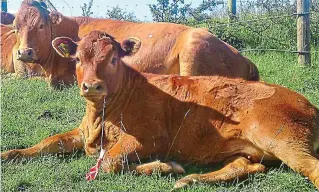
[303,32]
[231,9]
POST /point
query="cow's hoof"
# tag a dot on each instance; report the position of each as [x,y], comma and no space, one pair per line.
[10,155]
[177,168]
[180,185]
[111,166]
[185,182]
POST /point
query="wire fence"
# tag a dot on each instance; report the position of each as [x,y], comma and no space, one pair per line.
[262,25]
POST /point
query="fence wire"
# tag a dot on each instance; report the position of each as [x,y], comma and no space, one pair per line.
[262,25]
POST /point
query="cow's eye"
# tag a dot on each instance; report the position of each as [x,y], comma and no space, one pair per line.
[77,59]
[41,26]
[113,61]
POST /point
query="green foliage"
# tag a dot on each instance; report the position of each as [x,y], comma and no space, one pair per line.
[267,33]
[204,9]
[86,9]
[262,24]
[120,14]
[179,12]
[175,11]
[31,111]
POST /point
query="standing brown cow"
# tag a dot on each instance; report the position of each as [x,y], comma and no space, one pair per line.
[163,48]
[200,120]
[8,61]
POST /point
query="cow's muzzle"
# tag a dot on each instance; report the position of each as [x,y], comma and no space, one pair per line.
[95,88]
[26,54]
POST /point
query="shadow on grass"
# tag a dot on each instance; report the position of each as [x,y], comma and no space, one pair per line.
[23,186]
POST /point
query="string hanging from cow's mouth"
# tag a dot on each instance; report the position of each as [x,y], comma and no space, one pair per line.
[91,175]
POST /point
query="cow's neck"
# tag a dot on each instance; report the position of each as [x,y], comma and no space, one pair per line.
[94,110]
[92,127]
[128,80]
[53,64]
[94,119]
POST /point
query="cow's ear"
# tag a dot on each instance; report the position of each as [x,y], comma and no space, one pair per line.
[55,17]
[65,46]
[131,45]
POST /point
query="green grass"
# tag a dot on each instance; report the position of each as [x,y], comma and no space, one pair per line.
[31,111]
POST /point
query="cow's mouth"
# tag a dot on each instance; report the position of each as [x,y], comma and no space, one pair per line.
[94,98]
[28,60]
[93,95]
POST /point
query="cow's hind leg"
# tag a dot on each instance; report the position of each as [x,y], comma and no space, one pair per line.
[236,167]
[60,143]
[306,164]
[300,158]
[293,144]
[201,53]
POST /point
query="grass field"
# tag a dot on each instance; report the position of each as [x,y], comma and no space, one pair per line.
[30,111]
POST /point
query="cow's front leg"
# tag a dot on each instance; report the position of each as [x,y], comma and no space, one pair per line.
[128,146]
[60,143]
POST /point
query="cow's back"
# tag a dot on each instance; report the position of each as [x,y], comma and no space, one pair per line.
[214,108]
[168,48]
[157,41]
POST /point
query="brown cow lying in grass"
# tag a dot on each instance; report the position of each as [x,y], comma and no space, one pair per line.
[161,48]
[202,120]
[9,63]
[9,46]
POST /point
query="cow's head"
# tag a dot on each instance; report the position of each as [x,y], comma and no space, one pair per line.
[33,25]
[98,58]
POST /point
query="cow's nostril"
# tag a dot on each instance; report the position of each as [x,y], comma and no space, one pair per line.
[29,52]
[85,88]
[19,52]
[99,88]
